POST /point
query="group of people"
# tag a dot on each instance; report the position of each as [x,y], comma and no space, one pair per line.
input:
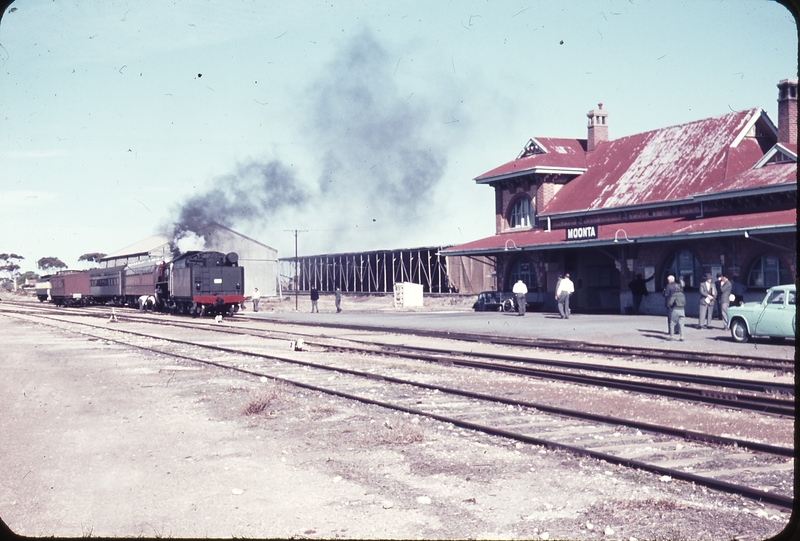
[564,288]
[337,297]
[710,293]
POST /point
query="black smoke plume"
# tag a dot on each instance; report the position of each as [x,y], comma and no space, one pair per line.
[373,144]
[380,164]
[253,192]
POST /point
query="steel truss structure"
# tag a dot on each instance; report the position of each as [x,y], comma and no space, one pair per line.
[368,272]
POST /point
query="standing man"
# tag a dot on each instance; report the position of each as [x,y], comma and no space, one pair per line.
[520,290]
[337,297]
[668,291]
[707,294]
[724,287]
[638,288]
[256,298]
[675,304]
[314,299]
[564,289]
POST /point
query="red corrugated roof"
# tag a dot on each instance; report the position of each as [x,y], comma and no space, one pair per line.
[560,153]
[768,175]
[648,231]
[662,165]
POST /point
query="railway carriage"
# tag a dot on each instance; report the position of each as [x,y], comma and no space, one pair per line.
[106,285]
[144,278]
[70,288]
[203,283]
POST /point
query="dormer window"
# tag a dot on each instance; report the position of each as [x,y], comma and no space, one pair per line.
[521,213]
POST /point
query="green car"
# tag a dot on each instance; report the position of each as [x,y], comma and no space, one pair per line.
[774,316]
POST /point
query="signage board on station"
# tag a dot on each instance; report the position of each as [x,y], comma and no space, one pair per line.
[582,233]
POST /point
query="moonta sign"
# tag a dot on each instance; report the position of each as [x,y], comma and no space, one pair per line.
[581,233]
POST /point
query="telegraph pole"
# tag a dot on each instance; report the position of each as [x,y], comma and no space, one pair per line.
[296,231]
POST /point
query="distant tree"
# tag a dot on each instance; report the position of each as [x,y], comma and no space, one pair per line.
[51,263]
[6,265]
[92,257]
[10,256]
[9,267]
[28,275]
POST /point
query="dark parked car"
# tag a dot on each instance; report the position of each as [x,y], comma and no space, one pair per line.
[492,301]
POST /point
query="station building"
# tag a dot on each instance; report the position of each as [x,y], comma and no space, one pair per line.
[714,196]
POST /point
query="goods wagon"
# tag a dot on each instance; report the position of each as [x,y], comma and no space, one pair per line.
[70,288]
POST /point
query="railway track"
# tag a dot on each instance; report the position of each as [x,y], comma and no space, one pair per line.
[754,470]
[748,361]
[746,394]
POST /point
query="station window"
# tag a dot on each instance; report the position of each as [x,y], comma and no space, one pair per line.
[684,266]
[521,213]
[600,277]
[767,271]
[521,270]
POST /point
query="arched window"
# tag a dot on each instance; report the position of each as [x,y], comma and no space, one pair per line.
[522,270]
[767,271]
[684,266]
[521,214]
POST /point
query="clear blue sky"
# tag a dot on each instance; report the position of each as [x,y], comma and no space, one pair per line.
[361,122]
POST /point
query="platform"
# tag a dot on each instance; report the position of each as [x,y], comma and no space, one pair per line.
[641,331]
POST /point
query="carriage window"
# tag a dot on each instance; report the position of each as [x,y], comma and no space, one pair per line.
[791,297]
[521,214]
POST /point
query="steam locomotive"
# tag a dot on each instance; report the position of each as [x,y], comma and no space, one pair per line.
[196,283]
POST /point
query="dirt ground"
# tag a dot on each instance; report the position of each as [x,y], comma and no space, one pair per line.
[99,440]
[361,302]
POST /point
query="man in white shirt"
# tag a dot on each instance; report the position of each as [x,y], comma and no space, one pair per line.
[256,298]
[520,290]
[563,291]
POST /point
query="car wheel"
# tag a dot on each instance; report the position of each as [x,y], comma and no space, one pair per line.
[739,331]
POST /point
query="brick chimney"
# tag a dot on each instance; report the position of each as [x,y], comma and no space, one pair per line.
[787,111]
[598,128]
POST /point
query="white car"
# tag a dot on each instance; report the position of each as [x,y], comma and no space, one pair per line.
[773,317]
